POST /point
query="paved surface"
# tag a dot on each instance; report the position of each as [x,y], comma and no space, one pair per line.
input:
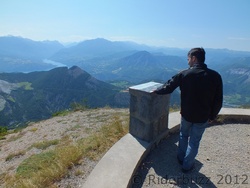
[223,161]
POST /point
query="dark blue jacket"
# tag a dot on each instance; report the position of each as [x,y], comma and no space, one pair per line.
[201,92]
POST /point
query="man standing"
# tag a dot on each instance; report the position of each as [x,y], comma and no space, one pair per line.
[201,101]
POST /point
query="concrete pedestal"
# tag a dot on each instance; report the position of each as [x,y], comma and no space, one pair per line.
[148,111]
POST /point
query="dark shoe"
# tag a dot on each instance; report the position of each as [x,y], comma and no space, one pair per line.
[179,161]
[188,170]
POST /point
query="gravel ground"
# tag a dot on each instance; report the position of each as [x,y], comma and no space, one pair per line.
[223,161]
[77,125]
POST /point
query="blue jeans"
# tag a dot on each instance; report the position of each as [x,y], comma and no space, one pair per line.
[189,141]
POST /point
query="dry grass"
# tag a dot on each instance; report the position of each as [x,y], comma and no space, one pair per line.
[42,170]
[45,144]
[16,154]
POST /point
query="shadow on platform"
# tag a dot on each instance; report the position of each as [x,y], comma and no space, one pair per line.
[166,169]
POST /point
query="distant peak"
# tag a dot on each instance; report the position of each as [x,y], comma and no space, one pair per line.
[74,68]
[76,71]
[144,52]
[101,39]
[97,40]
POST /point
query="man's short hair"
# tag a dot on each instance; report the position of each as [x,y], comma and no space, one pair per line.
[199,53]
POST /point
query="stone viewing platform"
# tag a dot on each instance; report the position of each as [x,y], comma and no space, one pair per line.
[149,149]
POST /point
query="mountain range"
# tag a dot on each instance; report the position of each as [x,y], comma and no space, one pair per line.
[44,72]
[37,95]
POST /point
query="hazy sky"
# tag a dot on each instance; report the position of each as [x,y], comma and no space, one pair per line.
[169,23]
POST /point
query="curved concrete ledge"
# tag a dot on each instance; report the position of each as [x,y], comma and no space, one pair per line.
[235,111]
[119,164]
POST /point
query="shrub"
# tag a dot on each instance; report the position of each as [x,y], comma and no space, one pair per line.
[3,132]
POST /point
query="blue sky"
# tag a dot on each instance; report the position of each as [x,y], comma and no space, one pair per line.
[169,23]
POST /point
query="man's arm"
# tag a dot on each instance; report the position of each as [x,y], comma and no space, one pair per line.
[169,86]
